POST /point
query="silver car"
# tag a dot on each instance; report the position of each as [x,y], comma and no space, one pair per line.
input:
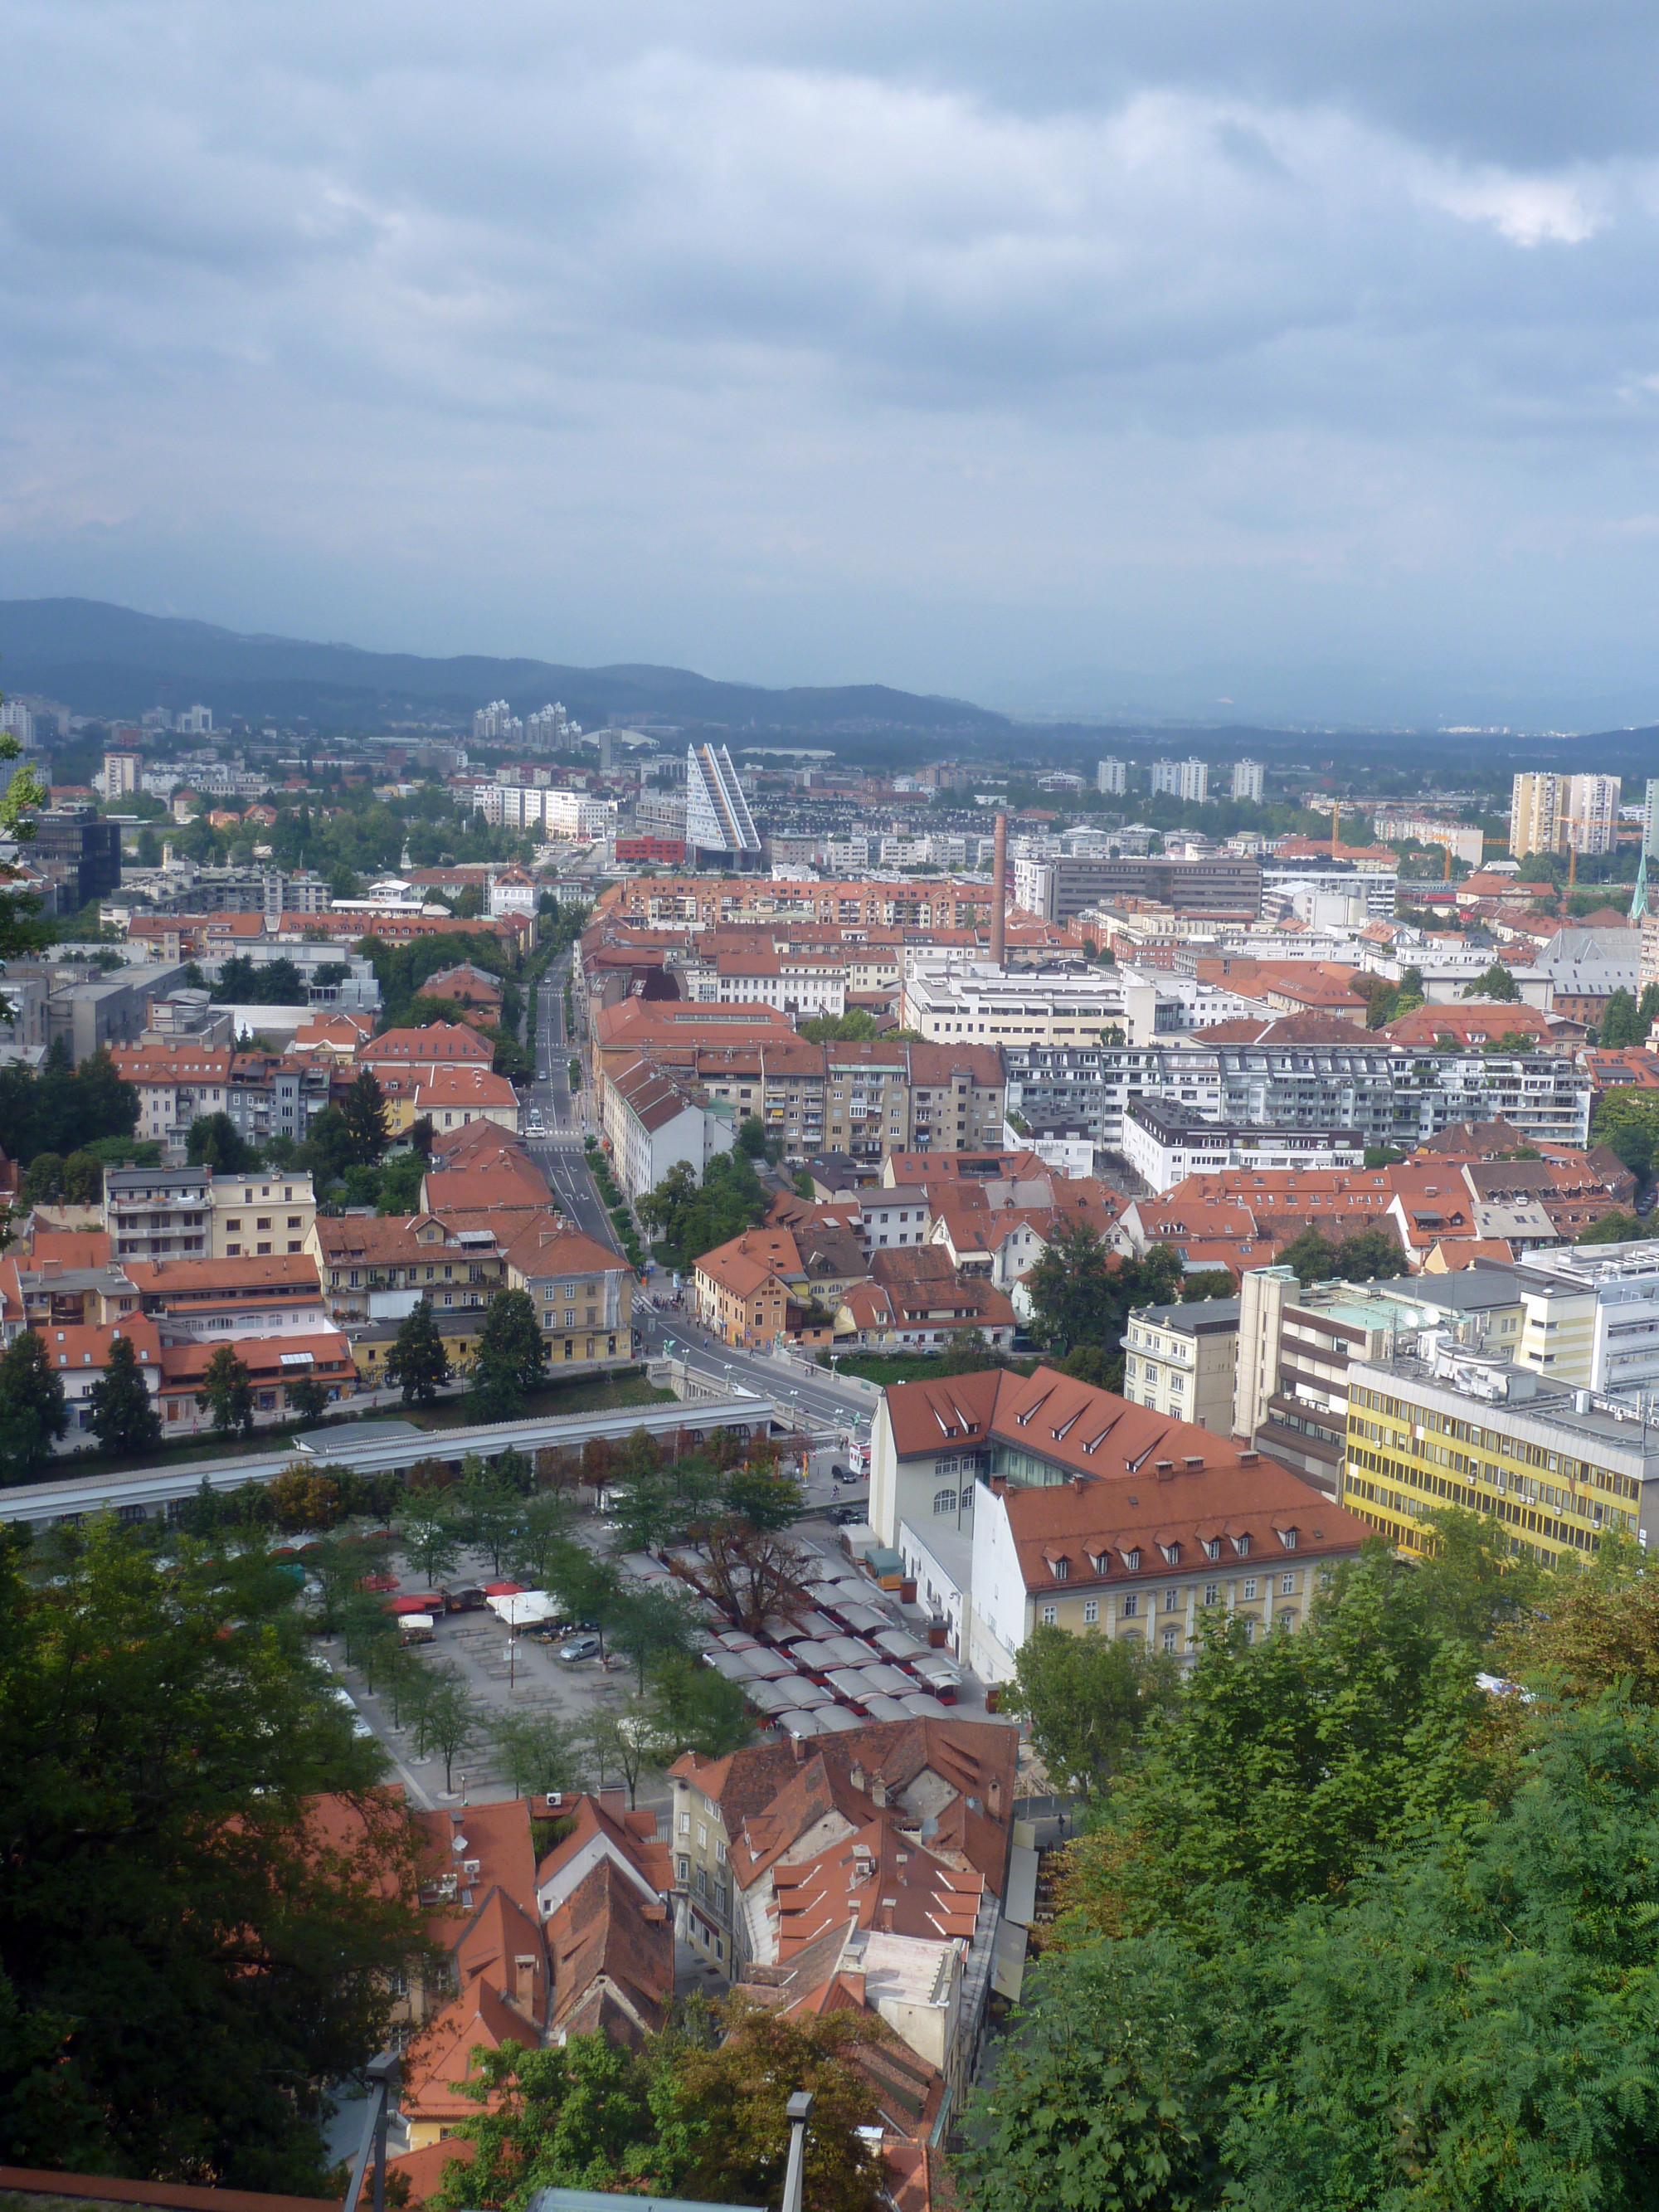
[580,1647]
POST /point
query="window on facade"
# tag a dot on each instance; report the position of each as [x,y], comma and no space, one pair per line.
[1169,1639]
[1286,1584]
[944,1501]
[1051,1616]
[1090,1611]
[1212,1593]
[1249,1588]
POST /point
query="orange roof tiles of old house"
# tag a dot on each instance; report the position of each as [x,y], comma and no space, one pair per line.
[88,1346]
[613,1957]
[291,1272]
[445,1042]
[423,2172]
[68,1248]
[876,1878]
[771,1794]
[457,1083]
[750,1260]
[445,2053]
[1181,1506]
[1472,1023]
[267,1358]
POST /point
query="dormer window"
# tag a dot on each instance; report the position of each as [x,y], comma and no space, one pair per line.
[1171,1554]
[1062,1569]
[1240,1544]
[1213,1547]
[1287,1538]
[1131,1560]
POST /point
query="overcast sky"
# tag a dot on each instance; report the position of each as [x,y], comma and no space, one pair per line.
[1295,353]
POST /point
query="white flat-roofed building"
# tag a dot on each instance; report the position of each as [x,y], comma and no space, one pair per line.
[949,1001]
[1165,1146]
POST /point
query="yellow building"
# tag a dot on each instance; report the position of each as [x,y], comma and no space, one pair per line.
[1558,1468]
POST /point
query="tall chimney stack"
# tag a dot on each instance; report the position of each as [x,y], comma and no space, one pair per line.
[999,894]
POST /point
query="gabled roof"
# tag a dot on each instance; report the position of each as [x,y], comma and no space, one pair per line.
[441,1042]
[1093,1529]
[444,2052]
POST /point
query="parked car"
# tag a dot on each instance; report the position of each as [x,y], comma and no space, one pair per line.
[580,1647]
[844,1516]
[844,1474]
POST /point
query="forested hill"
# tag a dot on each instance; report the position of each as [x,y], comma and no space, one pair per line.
[105,659]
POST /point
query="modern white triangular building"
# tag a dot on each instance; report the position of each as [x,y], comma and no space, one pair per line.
[717,816]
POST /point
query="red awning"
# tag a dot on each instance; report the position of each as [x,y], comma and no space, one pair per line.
[430,1603]
[503,1589]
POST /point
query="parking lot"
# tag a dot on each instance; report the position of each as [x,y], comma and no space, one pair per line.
[501,1673]
[522,1674]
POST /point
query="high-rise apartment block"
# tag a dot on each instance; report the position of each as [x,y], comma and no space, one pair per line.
[1563,813]
[1248,778]
[1112,777]
[1187,778]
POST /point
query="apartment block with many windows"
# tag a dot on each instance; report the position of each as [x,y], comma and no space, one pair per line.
[1560,1469]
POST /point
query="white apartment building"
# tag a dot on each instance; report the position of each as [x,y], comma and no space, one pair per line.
[949,1001]
[1112,777]
[1249,781]
[1464,843]
[1187,778]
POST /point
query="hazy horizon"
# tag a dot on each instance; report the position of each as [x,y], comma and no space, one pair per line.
[1277,360]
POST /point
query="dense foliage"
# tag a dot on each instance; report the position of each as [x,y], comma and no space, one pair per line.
[1388,1937]
[689,1219]
[186,1957]
[63,1109]
[1082,1294]
[689,2115]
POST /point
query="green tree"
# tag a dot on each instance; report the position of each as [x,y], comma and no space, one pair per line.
[1470,1585]
[1626,1120]
[1289,1762]
[228,1390]
[214,1141]
[446,1720]
[751,1136]
[430,1537]
[510,1361]
[490,1511]
[1088,1699]
[1494,982]
[651,1625]
[1647,1011]
[1618,1025]
[32,1414]
[691,1708]
[307,1398]
[367,1118]
[43,1180]
[185,1961]
[1616,1228]
[417,1362]
[543,1529]
[123,1415]
[400,1180]
[538,1751]
[83,1179]
[1082,1296]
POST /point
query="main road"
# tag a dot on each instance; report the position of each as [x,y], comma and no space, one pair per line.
[554,1140]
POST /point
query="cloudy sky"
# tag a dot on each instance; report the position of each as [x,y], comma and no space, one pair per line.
[1073,353]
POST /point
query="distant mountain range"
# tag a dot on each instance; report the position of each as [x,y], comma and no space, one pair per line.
[109,660]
